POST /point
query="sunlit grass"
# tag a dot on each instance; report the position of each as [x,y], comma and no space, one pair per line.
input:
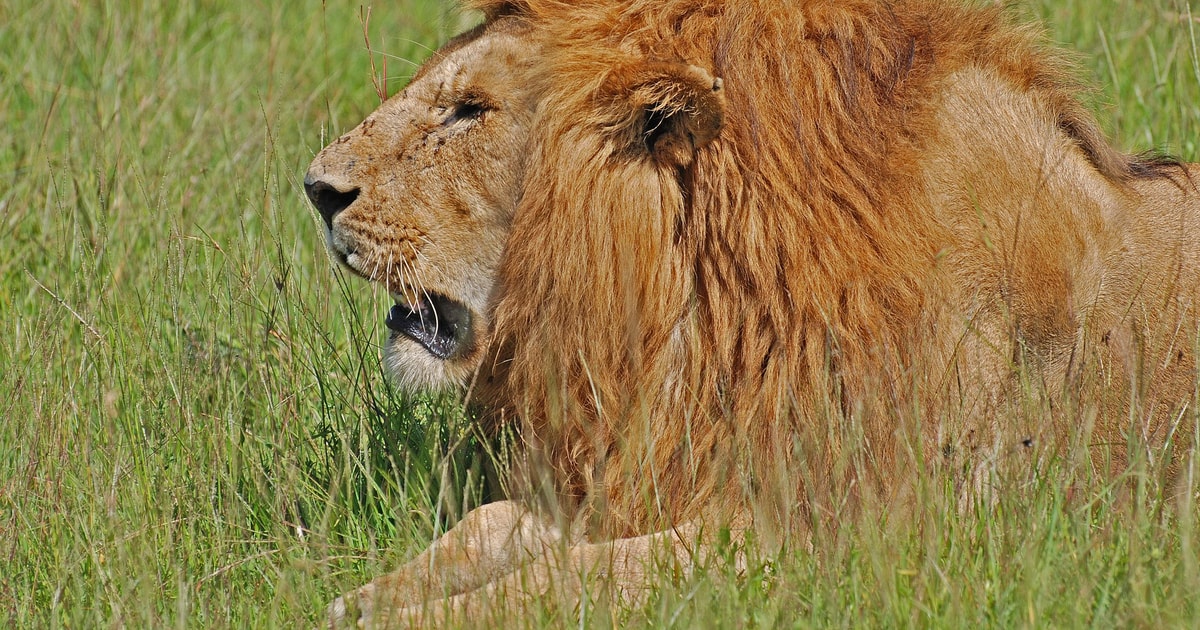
[195,427]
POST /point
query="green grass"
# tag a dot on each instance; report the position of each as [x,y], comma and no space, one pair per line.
[194,427]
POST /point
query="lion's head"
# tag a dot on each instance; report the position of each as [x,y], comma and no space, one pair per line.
[419,197]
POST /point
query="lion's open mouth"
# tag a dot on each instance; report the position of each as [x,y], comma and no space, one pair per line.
[439,324]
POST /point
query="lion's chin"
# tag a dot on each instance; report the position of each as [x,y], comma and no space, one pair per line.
[413,369]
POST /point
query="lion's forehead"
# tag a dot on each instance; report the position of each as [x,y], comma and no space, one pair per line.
[489,59]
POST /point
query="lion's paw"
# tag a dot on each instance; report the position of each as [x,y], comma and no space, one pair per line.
[355,609]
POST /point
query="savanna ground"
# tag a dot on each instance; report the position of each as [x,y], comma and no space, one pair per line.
[194,428]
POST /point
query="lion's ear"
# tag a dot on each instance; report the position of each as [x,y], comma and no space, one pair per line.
[670,109]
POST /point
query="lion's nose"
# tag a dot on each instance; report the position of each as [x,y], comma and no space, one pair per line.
[328,198]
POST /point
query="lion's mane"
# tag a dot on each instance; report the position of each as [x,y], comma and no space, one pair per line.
[673,330]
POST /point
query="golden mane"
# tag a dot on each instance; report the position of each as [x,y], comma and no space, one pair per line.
[665,320]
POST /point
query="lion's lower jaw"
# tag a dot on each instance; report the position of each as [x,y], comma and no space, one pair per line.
[413,369]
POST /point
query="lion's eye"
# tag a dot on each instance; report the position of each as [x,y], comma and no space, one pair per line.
[466,111]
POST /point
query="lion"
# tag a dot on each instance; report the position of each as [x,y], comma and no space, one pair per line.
[729,265]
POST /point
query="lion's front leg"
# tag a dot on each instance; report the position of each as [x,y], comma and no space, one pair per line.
[489,542]
[625,570]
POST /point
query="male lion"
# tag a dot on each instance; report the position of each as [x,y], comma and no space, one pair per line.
[735,264]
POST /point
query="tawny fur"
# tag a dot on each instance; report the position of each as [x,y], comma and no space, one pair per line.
[769,258]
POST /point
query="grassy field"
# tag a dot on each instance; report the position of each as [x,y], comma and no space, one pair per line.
[194,428]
